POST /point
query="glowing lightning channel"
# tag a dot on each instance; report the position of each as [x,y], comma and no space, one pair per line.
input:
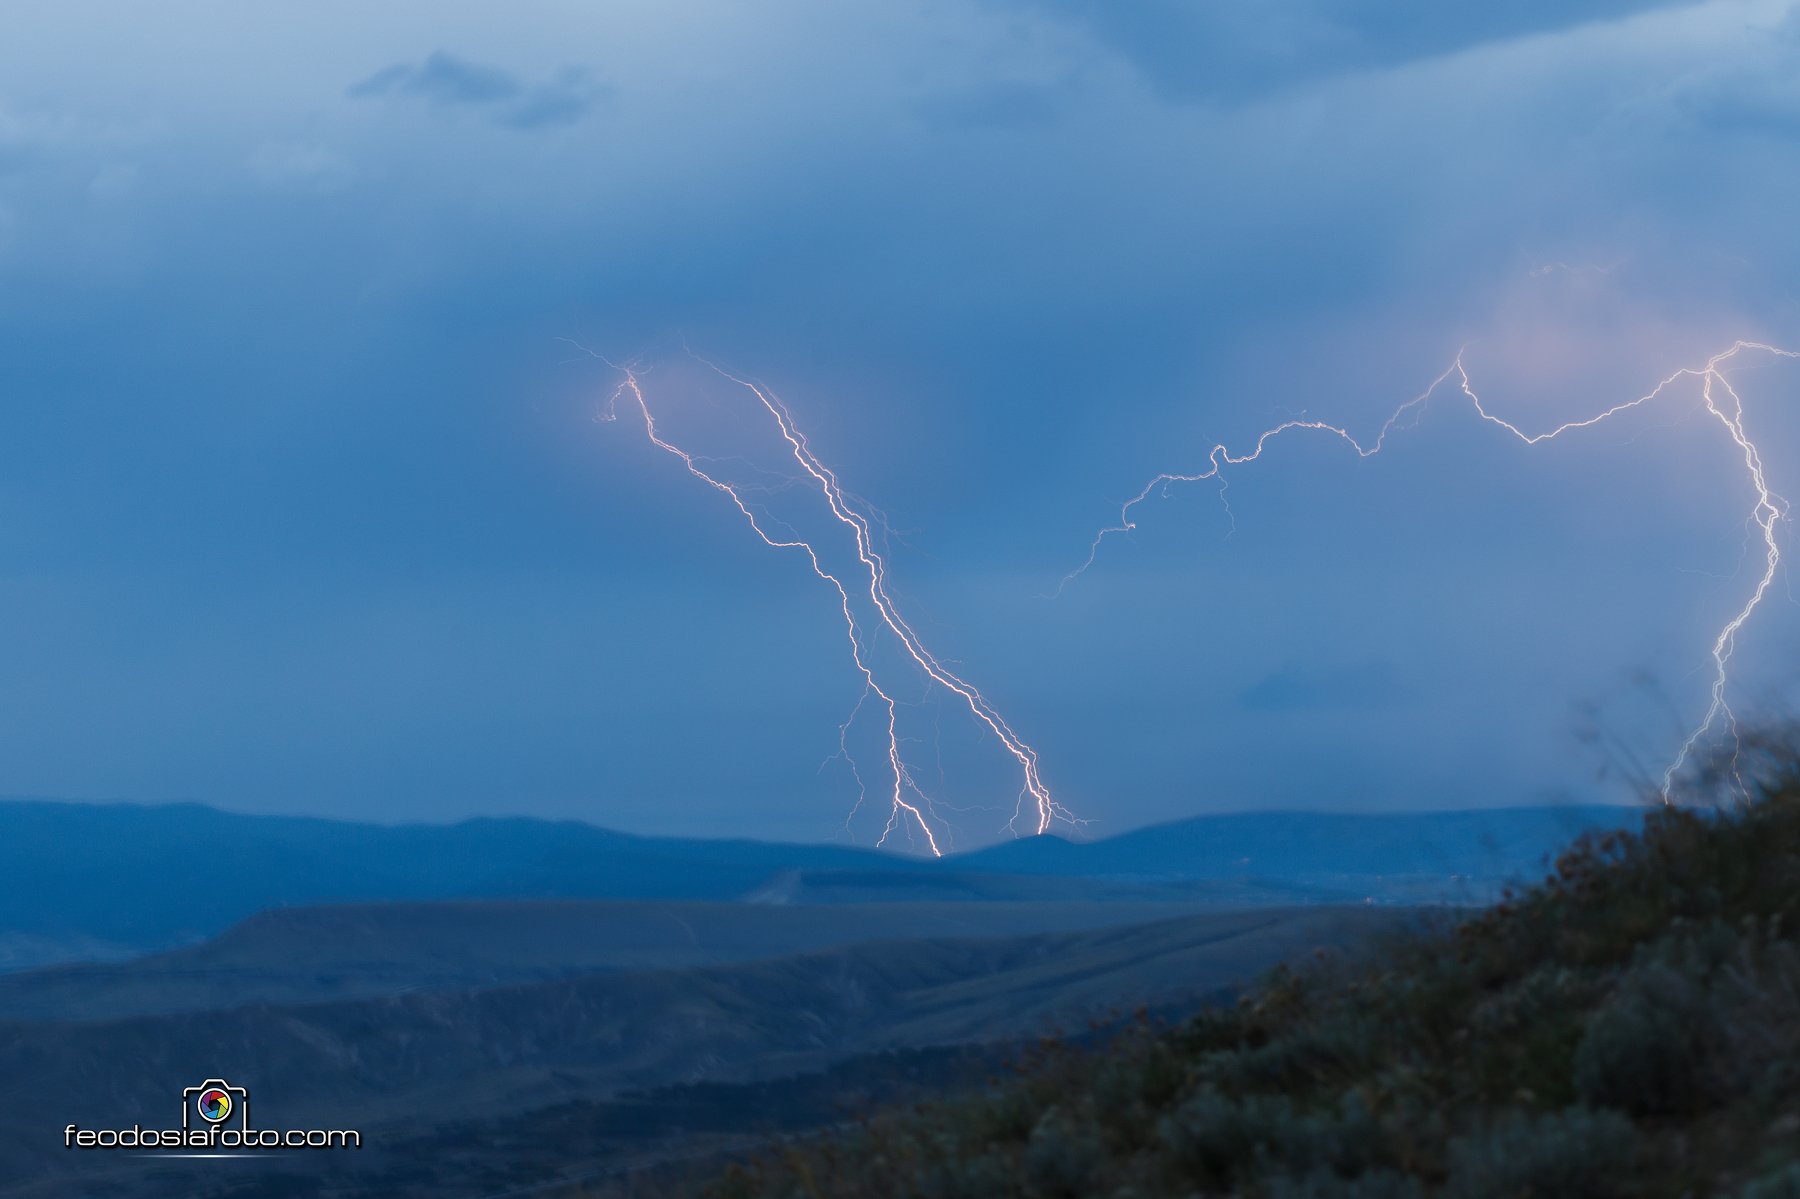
[916,810]
[1769,509]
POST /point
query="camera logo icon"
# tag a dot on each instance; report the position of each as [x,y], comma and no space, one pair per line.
[214,1102]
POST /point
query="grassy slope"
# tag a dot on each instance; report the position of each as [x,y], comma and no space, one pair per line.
[1630,1027]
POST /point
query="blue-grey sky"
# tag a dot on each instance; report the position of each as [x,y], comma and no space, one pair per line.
[303,506]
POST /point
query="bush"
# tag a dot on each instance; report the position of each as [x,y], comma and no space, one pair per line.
[1064,1157]
[1577,1151]
[1131,1084]
[947,1176]
[1756,1004]
[1642,1051]
[1784,1183]
[1213,1139]
[1323,1184]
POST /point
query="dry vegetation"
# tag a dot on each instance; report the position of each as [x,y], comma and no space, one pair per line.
[1628,1027]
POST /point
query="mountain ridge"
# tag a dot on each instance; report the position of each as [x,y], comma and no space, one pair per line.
[109,880]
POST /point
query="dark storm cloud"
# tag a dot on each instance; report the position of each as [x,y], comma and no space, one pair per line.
[302,506]
[1236,50]
[445,80]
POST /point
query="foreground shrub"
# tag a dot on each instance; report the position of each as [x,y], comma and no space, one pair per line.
[1577,1151]
[1630,1026]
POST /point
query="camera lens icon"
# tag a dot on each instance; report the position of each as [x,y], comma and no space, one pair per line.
[214,1101]
[213,1105]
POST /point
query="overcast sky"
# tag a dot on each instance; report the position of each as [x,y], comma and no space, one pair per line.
[304,505]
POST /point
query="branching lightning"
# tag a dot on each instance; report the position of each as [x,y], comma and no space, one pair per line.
[909,804]
[1716,395]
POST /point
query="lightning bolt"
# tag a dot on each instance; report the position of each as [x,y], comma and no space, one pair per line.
[909,805]
[1717,397]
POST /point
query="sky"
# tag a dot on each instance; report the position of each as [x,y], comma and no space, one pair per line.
[306,505]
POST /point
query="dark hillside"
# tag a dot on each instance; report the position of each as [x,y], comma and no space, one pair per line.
[1628,1027]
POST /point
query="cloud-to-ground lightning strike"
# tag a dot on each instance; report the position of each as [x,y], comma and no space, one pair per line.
[1717,397]
[909,802]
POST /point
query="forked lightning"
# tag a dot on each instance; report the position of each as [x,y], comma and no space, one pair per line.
[1716,395]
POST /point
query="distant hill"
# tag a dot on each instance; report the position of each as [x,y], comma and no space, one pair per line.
[152,876]
[96,881]
[1295,846]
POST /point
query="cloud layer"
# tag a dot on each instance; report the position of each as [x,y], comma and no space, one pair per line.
[303,506]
